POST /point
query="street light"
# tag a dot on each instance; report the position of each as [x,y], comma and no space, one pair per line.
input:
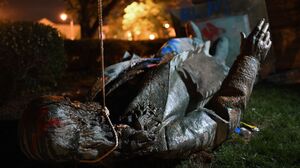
[64,17]
[152,36]
[167,25]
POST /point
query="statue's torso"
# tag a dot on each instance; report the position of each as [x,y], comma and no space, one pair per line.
[169,92]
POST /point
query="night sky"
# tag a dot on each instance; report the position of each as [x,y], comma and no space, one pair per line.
[32,10]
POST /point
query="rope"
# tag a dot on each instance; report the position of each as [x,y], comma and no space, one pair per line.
[100,36]
[105,111]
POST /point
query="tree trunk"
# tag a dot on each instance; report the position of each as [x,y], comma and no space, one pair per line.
[89,29]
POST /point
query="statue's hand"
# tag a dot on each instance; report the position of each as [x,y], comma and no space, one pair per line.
[134,140]
[258,43]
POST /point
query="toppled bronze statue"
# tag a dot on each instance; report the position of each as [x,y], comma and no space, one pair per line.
[171,105]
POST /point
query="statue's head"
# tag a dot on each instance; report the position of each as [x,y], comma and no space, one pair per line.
[54,128]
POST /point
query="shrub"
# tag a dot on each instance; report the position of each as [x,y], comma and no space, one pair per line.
[83,54]
[31,57]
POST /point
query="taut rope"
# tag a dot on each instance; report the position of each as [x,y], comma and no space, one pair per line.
[105,111]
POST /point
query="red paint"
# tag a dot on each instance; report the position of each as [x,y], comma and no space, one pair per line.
[211,32]
[54,122]
[152,65]
[43,110]
[42,123]
[44,127]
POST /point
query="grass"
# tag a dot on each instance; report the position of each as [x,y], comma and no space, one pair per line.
[276,111]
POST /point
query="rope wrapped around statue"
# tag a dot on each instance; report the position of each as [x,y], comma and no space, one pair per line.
[179,102]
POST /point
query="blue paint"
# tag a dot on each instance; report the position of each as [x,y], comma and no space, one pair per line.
[172,46]
[237,130]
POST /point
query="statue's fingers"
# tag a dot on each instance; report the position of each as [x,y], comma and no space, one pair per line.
[258,39]
[260,36]
[257,27]
[261,23]
[269,43]
[265,27]
[243,36]
[267,37]
[262,32]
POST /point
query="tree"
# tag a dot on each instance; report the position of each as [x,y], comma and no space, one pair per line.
[145,20]
[85,12]
[3,2]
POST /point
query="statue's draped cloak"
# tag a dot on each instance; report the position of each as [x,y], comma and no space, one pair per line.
[167,101]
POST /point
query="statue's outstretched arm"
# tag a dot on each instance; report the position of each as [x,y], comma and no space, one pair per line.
[236,89]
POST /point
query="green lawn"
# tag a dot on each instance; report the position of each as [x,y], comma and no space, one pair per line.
[276,111]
